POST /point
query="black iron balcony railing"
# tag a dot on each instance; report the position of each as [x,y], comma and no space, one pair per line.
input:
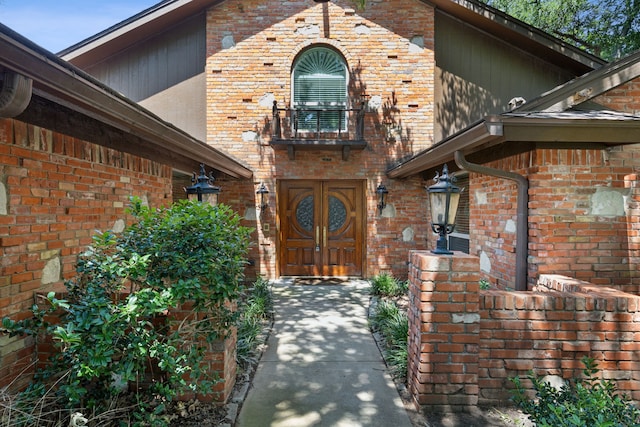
[319,123]
[318,128]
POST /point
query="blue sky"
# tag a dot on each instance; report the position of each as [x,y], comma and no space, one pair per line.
[58,24]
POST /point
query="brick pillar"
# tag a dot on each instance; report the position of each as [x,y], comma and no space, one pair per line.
[444,327]
[219,360]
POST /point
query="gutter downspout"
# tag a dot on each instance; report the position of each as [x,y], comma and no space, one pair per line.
[522,226]
[15,94]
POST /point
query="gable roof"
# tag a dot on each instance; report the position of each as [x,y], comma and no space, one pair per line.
[62,85]
[143,25]
[550,118]
[490,20]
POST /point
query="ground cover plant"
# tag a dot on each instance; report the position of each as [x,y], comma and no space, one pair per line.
[583,402]
[390,319]
[385,285]
[122,351]
[255,310]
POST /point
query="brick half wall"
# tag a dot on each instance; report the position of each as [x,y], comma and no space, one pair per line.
[465,343]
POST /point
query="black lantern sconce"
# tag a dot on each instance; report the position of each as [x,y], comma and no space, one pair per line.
[263,191]
[381,191]
[203,188]
[444,198]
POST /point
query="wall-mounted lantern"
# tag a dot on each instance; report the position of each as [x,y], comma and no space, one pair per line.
[203,188]
[444,198]
[263,191]
[382,192]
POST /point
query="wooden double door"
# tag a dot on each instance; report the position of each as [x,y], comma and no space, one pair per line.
[321,228]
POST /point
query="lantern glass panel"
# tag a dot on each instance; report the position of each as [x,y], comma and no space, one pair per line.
[211,198]
[439,207]
[453,207]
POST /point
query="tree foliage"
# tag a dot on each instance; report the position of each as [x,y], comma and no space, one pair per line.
[607,28]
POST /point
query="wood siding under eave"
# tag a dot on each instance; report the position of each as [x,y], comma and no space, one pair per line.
[477,75]
[164,74]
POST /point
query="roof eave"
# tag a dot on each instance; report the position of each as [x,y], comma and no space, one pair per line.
[139,27]
[62,83]
[481,133]
[495,130]
[586,87]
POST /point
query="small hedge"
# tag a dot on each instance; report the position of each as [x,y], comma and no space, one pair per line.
[584,402]
[116,329]
[254,309]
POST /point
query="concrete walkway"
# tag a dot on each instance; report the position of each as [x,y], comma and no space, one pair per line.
[322,366]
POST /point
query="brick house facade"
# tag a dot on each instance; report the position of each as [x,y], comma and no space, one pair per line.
[576,147]
[224,63]
[413,94]
[265,73]
[68,169]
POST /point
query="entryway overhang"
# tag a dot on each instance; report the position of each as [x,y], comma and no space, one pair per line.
[528,130]
[64,97]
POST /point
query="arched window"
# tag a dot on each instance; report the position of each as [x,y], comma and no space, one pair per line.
[320,90]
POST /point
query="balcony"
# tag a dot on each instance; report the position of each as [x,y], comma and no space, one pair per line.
[318,128]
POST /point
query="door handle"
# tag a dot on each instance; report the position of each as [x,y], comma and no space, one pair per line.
[324,236]
[317,235]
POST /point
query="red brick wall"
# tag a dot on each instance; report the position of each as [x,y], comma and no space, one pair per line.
[625,97]
[381,64]
[442,370]
[60,190]
[465,344]
[571,231]
[219,360]
[492,221]
[549,331]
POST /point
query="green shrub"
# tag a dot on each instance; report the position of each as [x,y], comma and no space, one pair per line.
[398,357]
[254,310]
[117,322]
[586,402]
[386,285]
[393,325]
[383,311]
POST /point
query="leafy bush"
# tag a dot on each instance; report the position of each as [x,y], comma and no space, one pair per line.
[386,285]
[119,325]
[393,325]
[586,402]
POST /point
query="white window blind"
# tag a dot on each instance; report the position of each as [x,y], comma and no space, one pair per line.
[320,90]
